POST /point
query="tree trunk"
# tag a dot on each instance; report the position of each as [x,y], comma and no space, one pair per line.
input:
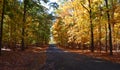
[109,27]
[1,25]
[23,27]
[91,28]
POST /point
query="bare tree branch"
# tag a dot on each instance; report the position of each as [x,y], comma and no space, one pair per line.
[85,8]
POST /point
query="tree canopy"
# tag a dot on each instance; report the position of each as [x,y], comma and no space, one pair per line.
[81,23]
[36,18]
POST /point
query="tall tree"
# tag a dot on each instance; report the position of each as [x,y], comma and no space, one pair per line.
[1,25]
[109,27]
[91,25]
[23,26]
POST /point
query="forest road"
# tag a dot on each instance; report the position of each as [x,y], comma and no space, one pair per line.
[58,59]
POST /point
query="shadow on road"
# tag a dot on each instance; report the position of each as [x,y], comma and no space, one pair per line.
[58,59]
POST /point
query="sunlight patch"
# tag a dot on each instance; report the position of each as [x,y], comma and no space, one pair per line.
[4,49]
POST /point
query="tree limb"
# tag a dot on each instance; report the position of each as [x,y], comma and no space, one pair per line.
[85,8]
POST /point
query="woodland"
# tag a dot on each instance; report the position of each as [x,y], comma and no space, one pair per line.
[24,23]
[88,25]
[28,27]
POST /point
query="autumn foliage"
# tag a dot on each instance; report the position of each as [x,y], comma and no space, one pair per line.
[72,28]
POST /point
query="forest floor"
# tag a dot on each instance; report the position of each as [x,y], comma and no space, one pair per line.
[115,58]
[54,58]
[31,58]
